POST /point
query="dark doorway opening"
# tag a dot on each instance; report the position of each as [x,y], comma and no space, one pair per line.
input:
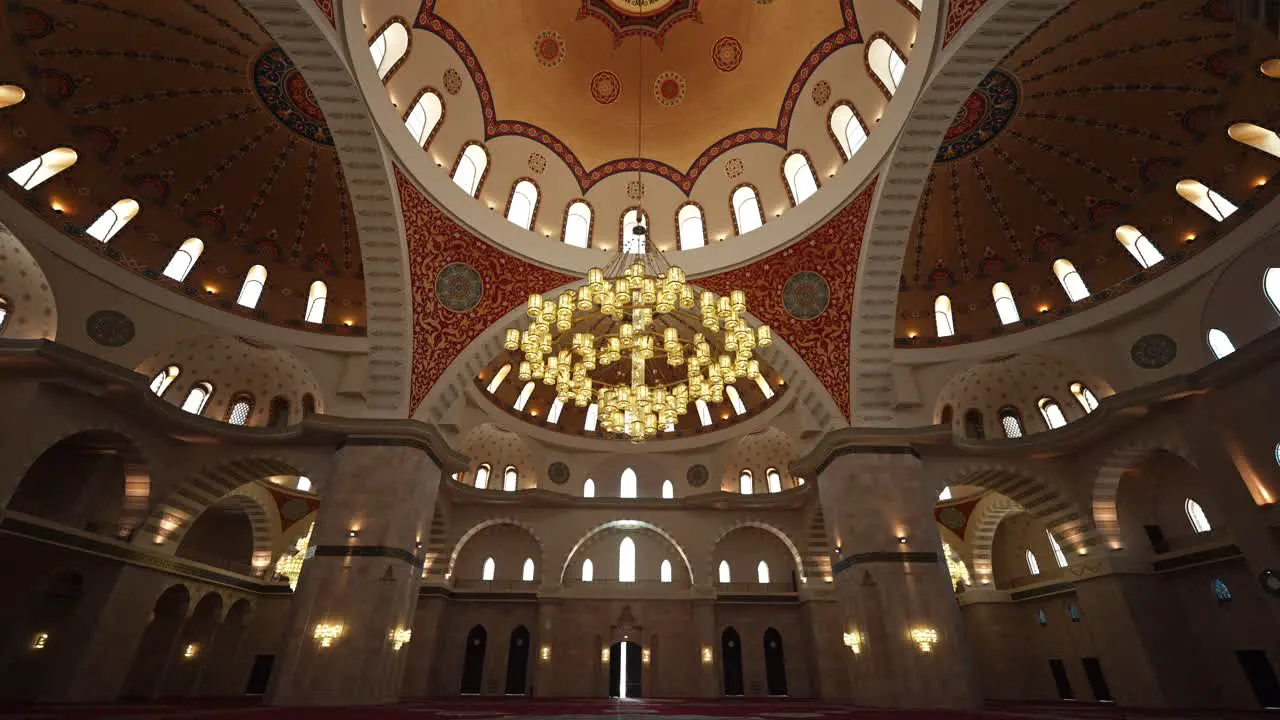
[1097,681]
[156,649]
[731,659]
[626,670]
[1261,675]
[775,665]
[518,661]
[1060,679]
[260,674]
[473,661]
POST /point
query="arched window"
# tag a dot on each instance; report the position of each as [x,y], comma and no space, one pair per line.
[1213,204]
[1032,566]
[942,316]
[1058,557]
[887,63]
[389,47]
[735,399]
[498,377]
[470,169]
[973,426]
[1051,412]
[44,167]
[800,178]
[1257,137]
[627,560]
[317,296]
[945,494]
[1271,287]
[523,398]
[164,379]
[526,573]
[762,573]
[704,413]
[774,480]
[747,215]
[588,570]
[745,484]
[593,416]
[577,224]
[184,258]
[1221,591]
[724,572]
[1006,308]
[11,95]
[509,479]
[1195,514]
[693,232]
[668,490]
[589,488]
[764,387]
[422,120]
[1084,396]
[1011,422]
[304,484]
[197,397]
[630,241]
[524,204]
[251,291]
[241,406]
[848,130]
[627,484]
[553,415]
[1138,245]
[490,567]
[482,477]
[1070,279]
[116,217]
[1220,344]
[664,571]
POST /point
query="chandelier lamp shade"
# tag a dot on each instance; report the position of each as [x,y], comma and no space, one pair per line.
[639,310]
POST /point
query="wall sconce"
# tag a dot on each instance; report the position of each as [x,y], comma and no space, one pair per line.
[327,633]
[706,655]
[545,653]
[400,637]
[604,655]
[644,655]
[902,539]
[854,641]
[39,640]
[190,651]
[925,638]
[353,533]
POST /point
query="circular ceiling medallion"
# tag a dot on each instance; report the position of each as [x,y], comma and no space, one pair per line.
[452,81]
[635,190]
[537,163]
[285,92]
[548,48]
[558,472]
[669,88]
[733,168]
[605,87]
[697,476]
[110,328]
[640,8]
[726,54]
[821,93]
[987,111]
[1152,352]
[806,295]
[459,287]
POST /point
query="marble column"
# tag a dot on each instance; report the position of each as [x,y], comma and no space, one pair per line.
[362,580]
[708,647]
[872,499]
[542,671]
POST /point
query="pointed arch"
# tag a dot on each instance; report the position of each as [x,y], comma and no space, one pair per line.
[627,484]
[528,570]
[1033,565]
[184,259]
[113,219]
[762,573]
[664,571]
[1058,556]
[1195,515]
[1220,343]
[723,574]
[588,570]
[589,488]
[488,569]
[668,490]
[627,560]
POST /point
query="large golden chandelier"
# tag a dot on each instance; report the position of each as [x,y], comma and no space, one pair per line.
[628,295]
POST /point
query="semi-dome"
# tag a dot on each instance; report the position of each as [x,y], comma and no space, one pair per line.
[28,310]
[977,401]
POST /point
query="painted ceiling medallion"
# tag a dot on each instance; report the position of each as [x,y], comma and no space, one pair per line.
[669,88]
[986,113]
[605,87]
[649,18]
[548,48]
[285,92]
[806,295]
[459,287]
[727,54]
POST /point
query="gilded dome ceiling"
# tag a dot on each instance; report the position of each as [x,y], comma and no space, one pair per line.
[190,110]
[1087,126]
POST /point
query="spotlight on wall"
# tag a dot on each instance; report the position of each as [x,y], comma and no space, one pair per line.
[902,539]
[924,637]
[353,533]
[328,633]
[39,641]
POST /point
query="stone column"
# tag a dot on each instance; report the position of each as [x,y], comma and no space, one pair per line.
[364,577]
[542,672]
[870,498]
[704,621]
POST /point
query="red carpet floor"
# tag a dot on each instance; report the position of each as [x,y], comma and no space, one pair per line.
[500,708]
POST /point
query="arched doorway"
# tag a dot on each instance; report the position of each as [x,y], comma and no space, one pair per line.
[731,660]
[473,661]
[38,647]
[95,480]
[775,665]
[192,649]
[223,670]
[157,645]
[518,661]
[626,669]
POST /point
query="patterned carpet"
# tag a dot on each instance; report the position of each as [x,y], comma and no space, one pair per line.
[500,708]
